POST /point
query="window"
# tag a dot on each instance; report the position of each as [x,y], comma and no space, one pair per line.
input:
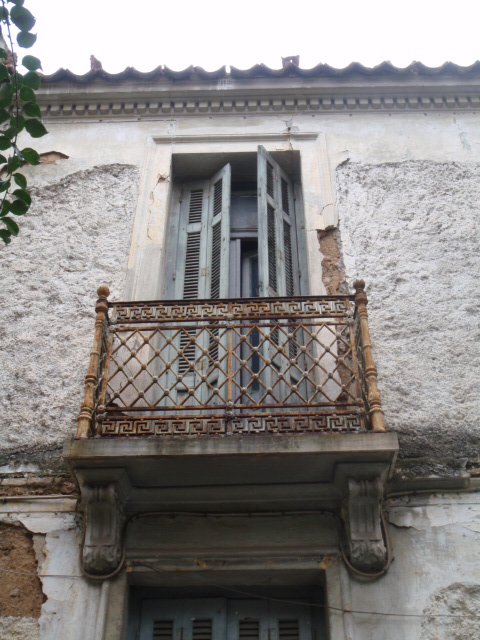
[234,233]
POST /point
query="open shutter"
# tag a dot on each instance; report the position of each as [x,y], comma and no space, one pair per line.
[219,233]
[278,272]
[201,271]
[191,255]
[277,246]
[201,261]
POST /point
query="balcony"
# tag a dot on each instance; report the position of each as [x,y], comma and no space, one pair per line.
[231,368]
[221,406]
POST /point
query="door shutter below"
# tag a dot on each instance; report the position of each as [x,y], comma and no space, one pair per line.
[163,630]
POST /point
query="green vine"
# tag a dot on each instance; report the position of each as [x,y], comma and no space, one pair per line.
[19,111]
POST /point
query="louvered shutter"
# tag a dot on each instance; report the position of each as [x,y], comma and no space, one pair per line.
[191,619]
[288,621]
[201,271]
[201,262]
[219,233]
[278,272]
[161,620]
[191,255]
[277,246]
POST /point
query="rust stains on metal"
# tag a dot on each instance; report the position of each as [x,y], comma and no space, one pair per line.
[230,367]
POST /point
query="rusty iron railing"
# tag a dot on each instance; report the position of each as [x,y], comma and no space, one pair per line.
[231,367]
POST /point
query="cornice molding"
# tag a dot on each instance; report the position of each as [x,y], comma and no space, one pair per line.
[135,108]
[227,137]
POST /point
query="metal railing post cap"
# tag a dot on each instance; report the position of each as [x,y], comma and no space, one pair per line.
[359,285]
[103,291]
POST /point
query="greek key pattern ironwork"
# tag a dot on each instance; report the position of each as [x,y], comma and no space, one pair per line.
[257,365]
[231,310]
[218,426]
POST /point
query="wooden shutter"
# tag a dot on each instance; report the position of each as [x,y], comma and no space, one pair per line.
[288,621]
[191,619]
[277,245]
[201,261]
[219,233]
[277,259]
[201,270]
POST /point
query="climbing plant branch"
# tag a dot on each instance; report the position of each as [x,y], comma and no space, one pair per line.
[19,112]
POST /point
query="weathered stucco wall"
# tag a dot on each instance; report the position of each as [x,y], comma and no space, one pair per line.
[412,231]
[76,237]
[434,576]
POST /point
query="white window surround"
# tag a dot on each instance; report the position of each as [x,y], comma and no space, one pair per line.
[145,268]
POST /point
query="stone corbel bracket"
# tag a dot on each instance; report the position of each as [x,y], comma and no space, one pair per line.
[104,512]
[362,493]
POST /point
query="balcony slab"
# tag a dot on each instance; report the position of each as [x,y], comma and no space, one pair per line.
[242,474]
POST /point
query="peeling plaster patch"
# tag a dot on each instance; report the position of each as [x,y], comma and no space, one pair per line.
[459,600]
[426,518]
[333,276]
[73,240]
[21,591]
[44,523]
[51,157]
[412,231]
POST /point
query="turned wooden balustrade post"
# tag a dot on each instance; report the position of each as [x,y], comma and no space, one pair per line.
[373,394]
[85,417]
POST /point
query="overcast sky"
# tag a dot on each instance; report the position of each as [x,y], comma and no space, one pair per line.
[211,33]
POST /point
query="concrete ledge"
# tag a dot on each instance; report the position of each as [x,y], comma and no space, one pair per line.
[267,472]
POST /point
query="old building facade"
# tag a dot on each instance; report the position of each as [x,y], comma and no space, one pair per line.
[231,467]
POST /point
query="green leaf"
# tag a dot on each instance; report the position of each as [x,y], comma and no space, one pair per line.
[26,40]
[32,80]
[30,155]
[13,164]
[5,208]
[22,18]
[2,159]
[11,132]
[4,185]
[4,115]
[18,207]
[26,94]
[3,54]
[35,128]
[3,72]
[20,180]
[11,225]
[6,95]
[5,236]
[23,195]
[17,121]
[32,110]
[3,13]
[31,63]
[5,143]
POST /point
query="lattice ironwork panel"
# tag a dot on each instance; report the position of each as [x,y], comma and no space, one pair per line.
[210,368]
